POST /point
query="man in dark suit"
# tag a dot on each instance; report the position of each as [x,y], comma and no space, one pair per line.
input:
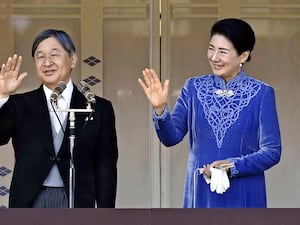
[41,171]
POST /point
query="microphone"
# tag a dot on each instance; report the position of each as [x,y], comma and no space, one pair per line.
[86,91]
[61,86]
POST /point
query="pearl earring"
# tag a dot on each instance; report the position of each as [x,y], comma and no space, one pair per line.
[241,65]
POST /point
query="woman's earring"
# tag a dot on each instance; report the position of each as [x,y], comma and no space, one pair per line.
[241,65]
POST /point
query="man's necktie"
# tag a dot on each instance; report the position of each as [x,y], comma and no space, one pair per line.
[58,126]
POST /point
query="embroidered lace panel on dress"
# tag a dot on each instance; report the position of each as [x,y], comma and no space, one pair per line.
[222,103]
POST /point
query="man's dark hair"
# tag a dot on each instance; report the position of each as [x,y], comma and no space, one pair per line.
[61,36]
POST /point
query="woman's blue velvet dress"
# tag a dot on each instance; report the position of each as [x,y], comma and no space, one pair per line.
[235,121]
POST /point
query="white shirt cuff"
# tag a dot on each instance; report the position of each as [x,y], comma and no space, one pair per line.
[3,101]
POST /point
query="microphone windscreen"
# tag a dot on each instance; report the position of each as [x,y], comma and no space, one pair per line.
[61,86]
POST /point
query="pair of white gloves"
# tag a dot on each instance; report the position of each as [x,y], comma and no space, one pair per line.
[219,181]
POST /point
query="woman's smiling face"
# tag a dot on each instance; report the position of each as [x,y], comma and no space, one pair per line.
[223,57]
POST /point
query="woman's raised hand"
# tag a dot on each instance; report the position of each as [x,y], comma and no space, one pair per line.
[154,90]
[10,79]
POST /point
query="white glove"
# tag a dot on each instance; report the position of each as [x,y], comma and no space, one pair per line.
[218,181]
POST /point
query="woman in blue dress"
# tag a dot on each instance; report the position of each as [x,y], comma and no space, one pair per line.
[230,118]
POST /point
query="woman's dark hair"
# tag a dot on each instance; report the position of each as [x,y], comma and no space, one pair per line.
[61,36]
[238,32]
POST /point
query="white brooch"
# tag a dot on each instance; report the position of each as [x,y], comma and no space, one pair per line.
[222,93]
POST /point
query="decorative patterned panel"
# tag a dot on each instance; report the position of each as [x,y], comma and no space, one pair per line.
[4,171]
[91,80]
[92,61]
[4,191]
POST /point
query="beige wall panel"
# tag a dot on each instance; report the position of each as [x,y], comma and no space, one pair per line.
[275,61]
[126,54]
[92,41]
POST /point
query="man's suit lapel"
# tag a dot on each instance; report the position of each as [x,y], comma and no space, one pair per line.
[78,101]
[37,106]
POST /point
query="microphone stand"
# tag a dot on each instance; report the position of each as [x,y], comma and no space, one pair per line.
[72,119]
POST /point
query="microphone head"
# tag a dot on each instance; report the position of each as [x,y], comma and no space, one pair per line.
[61,86]
[83,87]
[86,91]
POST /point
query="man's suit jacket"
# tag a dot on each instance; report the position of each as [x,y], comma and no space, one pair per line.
[25,119]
